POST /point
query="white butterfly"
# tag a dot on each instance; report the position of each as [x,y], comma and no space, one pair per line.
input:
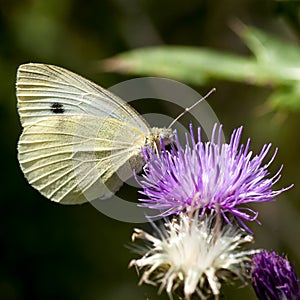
[80,142]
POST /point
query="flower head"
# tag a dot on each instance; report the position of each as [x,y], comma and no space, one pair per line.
[189,256]
[209,177]
[274,278]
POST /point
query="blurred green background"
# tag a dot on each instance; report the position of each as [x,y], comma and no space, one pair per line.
[50,251]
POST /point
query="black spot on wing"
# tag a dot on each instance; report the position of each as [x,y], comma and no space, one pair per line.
[57,108]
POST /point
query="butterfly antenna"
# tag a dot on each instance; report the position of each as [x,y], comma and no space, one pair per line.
[191,107]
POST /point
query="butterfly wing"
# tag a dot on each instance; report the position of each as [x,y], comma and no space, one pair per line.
[75,159]
[79,139]
[44,90]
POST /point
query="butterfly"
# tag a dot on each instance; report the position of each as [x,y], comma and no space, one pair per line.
[79,142]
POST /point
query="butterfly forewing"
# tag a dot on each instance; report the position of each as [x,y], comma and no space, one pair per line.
[45,90]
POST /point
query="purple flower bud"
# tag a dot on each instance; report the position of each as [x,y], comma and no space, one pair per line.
[274,278]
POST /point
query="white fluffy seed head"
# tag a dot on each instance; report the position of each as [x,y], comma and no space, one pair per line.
[187,256]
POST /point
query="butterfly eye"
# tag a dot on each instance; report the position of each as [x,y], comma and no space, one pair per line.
[57,108]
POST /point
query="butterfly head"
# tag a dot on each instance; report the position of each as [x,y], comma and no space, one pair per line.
[158,136]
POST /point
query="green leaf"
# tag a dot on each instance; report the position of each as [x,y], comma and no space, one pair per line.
[274,63]
[196,65]
[268,49]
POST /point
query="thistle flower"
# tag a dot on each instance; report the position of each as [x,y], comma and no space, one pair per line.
[274,278]
[189,256]
[209,177]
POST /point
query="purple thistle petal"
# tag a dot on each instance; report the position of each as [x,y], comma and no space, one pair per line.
[209,177]
[274,278]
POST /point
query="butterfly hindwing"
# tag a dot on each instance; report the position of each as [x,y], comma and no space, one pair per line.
[75,159]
